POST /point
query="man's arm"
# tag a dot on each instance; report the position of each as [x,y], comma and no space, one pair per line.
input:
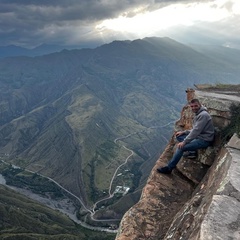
[198,127]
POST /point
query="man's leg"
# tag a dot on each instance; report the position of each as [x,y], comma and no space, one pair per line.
[189,154]
[192,146]
[180,138]
[175,159]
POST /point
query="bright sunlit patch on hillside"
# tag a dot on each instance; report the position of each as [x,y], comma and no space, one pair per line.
[173,15]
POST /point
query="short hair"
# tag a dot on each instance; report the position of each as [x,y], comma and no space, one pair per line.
[195,100]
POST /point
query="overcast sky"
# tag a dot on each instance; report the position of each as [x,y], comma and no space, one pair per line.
[90,23]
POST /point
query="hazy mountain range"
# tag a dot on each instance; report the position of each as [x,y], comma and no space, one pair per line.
[76,115]
[14,51]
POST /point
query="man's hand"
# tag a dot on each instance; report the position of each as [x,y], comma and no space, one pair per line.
[179,133]
[181,145]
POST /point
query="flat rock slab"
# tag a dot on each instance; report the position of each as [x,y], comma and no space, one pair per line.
[234,142]
[222,220]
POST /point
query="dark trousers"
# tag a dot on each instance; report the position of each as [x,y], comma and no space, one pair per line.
[192,146]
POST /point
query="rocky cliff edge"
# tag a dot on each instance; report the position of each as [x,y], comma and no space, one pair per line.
[200,200]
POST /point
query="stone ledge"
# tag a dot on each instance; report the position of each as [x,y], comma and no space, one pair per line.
[215,206]
[222,220]
[195,169]
[207,156]
[234,142]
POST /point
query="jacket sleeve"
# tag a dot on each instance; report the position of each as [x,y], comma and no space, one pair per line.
[199,125]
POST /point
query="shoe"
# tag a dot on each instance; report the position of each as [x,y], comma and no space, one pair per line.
[165,170]
[190,154]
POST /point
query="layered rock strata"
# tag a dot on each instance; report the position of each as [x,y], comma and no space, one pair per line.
[201,198]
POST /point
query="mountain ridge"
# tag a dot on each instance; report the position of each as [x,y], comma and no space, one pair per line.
[43,49]
[60,113]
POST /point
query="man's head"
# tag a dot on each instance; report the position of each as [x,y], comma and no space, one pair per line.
[195,105]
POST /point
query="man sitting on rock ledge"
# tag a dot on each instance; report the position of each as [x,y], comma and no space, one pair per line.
[200,136]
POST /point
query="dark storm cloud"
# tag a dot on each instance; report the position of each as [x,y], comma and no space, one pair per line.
[33,22]
[26,19]
[76,9]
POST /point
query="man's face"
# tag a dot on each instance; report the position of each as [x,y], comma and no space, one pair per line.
[195,107]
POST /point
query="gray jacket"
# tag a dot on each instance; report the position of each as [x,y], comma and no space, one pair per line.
[202,127]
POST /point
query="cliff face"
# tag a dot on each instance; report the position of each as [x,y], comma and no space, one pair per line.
[200,199]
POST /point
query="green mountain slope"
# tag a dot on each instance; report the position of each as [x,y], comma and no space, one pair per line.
[75,116]
[22,218]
